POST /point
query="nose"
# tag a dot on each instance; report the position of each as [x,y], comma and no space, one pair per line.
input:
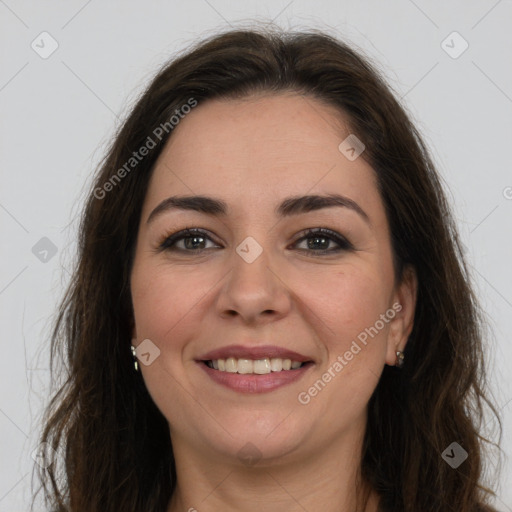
[254,292]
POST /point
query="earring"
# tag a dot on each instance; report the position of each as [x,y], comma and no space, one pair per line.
[399,359]
[135,362]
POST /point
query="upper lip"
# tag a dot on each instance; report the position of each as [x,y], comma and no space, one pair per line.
[259,352]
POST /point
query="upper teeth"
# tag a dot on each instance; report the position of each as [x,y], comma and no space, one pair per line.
[259,366]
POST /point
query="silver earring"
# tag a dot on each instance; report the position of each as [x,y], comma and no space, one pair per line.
[135,362]
[399,359]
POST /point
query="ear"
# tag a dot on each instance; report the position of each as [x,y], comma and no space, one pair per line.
[404,304]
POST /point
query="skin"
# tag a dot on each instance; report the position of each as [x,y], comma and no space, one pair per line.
[252,154]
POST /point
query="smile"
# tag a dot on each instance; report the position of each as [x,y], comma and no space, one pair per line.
[254,366]
[251,382]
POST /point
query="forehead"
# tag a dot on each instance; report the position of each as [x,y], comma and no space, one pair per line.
[259,149]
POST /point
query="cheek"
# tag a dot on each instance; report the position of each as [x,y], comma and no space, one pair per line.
[344,308]
[163,298]
[348,302]
[166,303]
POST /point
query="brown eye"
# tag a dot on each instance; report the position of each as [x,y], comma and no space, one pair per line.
[324,241]
[188,240]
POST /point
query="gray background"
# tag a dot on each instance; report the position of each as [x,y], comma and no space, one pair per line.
[58,113]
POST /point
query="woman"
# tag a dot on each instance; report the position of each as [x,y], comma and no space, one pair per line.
[270,309]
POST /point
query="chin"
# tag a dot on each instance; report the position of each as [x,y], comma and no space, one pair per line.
[263,438]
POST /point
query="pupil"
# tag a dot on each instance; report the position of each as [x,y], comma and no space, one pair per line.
[190,243]
[323,244]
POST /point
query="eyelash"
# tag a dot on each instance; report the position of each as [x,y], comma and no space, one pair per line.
[344,245]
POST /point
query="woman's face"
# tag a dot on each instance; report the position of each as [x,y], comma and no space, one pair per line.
[254,285]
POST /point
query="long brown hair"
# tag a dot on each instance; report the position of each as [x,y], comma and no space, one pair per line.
[115,443]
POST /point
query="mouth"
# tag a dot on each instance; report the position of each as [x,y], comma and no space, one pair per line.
[254,369]
[251,383]
[255,366]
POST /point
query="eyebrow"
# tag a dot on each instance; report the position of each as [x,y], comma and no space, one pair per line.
[290,206]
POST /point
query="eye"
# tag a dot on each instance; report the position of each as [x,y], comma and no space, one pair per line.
[319,241]
[187,240]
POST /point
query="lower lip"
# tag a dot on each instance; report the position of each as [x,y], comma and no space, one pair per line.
[252,383]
